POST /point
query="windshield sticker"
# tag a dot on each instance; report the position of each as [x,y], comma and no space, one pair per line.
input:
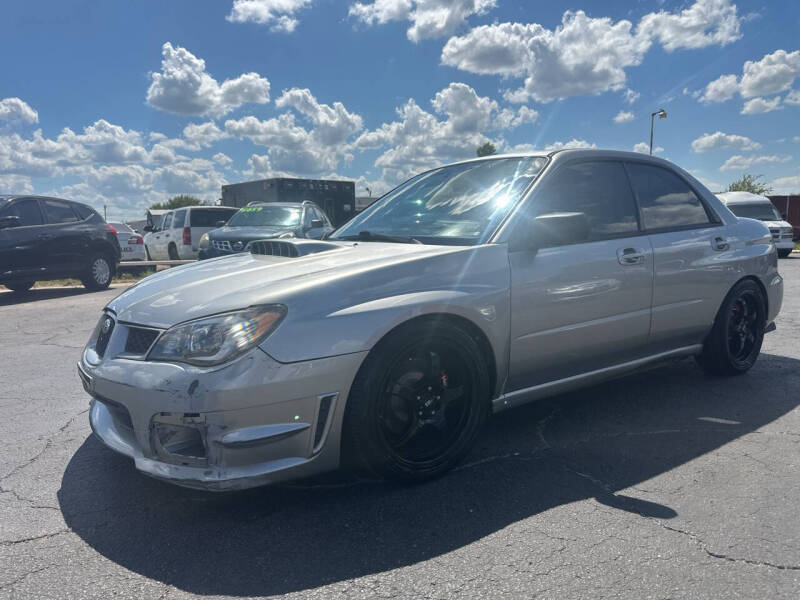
[248,209]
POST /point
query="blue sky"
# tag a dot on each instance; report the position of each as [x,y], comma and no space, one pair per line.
[128,103]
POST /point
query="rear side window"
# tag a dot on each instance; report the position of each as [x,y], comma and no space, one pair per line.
[666,201]
[84,212]
[599,189]
[58,211]
[208,217]
[28,212]
[178,218]
[167,221]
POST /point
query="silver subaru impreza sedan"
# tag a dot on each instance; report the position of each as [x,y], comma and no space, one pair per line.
[471,288]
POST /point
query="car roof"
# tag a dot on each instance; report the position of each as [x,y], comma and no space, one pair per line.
[742,198]
[203,207]
[290,204]
[570,153]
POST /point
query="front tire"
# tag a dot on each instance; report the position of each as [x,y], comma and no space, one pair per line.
[20,287]
[734,343]
[784,253]
[99,273]
[418,403]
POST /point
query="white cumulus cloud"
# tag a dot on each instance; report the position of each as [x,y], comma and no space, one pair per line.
[756,106]
[14,109]
[738,162]
[644,148]
[184,87]
[716,141]
[428,18]
[623,116]
[721,89]
[585,55]
[278,14]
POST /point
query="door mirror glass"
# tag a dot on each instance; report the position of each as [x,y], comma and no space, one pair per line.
[558,229]
[148,228]
[220,223]
[9,221]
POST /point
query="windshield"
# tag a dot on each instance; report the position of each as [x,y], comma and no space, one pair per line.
[459,204]
[260,216]
[763,211]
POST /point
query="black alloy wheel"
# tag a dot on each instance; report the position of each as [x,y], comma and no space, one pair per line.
[418,402]
[423,404]
[743,327]
[734,343]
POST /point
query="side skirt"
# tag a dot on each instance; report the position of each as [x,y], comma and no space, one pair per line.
[552,388]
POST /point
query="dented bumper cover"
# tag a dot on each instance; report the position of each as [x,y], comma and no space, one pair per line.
[250,422]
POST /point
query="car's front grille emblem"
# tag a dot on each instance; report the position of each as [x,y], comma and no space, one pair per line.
[106,329]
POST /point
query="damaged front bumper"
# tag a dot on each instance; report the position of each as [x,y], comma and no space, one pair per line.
[248,423]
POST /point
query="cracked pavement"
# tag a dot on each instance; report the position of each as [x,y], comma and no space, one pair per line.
[665,484]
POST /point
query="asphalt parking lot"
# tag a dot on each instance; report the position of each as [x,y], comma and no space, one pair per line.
[666,484]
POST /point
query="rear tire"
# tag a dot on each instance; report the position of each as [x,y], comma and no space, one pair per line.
[99,273]
[20,287]
[735,340]
[173,252]
[418,403]
[784,253]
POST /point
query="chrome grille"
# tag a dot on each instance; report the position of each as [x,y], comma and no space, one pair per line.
[140,339]
[274,248]
[223,245]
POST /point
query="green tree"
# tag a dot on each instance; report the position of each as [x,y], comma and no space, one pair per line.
[750,183]
[178,202]
[486,149]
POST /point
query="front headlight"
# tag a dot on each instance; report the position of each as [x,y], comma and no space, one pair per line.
[204,242]
[218,339]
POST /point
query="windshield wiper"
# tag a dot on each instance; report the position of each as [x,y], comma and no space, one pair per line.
[368,236]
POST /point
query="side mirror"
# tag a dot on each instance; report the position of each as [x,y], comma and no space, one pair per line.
[555,229]
[9,221]
[148,228]
[784,217]
[317,223]
[221,223]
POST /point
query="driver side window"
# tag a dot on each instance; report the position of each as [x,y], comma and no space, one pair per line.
[598,189]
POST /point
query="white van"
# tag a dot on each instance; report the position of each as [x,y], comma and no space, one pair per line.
[175,237]
[753,206]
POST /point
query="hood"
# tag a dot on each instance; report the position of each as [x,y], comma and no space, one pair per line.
[247,233]
[241,280]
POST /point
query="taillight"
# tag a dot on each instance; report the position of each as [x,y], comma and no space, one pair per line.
[112,230]
[135,240]
[187,236]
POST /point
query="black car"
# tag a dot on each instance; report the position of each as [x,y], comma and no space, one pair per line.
[49,238]
[265,220]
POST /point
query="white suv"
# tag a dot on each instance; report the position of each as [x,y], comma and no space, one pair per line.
[177,235]
[753,206]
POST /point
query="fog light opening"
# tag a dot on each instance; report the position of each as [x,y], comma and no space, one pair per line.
[177,441]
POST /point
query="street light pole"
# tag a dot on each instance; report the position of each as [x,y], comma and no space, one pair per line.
[662,114]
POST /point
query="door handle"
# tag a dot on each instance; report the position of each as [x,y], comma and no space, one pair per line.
[630,256]
[720,243]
